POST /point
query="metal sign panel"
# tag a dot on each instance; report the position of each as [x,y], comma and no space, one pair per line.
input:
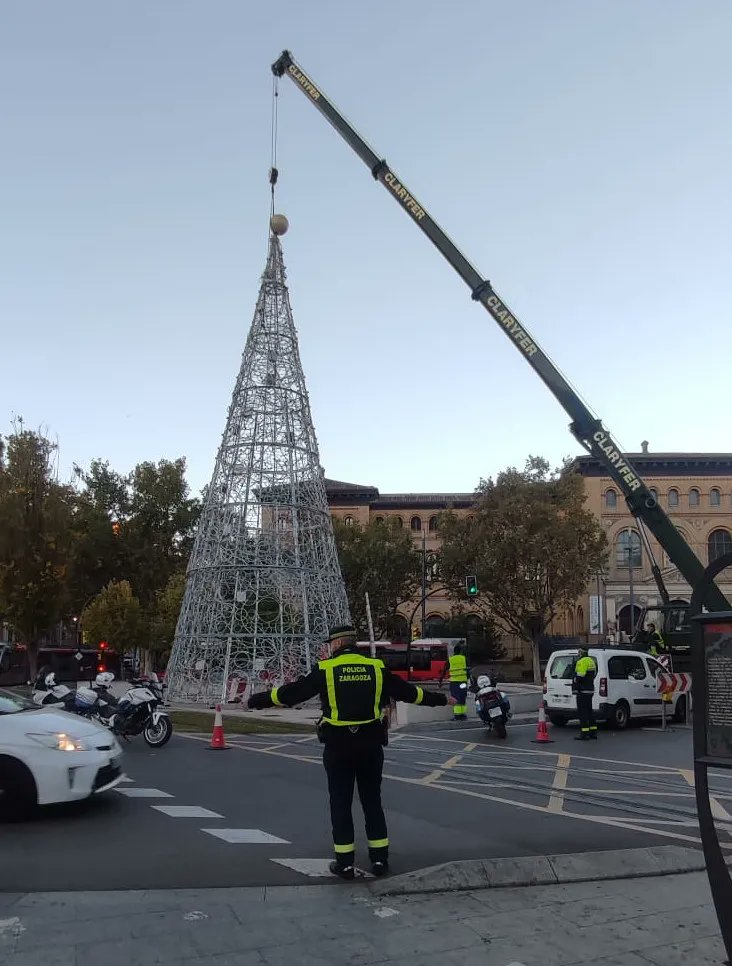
[718,672]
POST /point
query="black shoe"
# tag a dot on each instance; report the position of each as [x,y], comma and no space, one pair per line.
[342,871]
[581,738]
[379,867]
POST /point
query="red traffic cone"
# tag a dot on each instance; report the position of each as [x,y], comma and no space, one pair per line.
[542,732]
[218,741]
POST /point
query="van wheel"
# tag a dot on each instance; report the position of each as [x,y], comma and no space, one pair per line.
[620,716]
[680,710]
[18,795]
[557,720]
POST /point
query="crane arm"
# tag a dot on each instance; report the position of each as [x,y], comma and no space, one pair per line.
[585,426]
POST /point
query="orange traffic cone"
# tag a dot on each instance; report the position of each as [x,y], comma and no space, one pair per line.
[542,732]
[218,742]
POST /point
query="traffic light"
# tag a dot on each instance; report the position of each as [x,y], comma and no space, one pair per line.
[415,633]
[471,586]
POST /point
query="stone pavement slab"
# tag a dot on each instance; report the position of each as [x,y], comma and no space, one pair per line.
[666,920]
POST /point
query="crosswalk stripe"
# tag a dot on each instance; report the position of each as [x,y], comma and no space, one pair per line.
[186,811]
[245,836]
[143,793]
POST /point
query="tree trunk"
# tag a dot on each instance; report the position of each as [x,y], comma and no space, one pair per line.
[536,666]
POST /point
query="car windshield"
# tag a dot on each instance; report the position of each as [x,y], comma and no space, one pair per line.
[12,703]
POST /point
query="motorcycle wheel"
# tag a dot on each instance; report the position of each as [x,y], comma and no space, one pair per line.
[500,727]
[158,735]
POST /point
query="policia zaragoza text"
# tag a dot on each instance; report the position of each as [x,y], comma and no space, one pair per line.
[354,690]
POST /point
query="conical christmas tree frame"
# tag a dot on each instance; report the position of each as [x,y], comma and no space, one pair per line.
[263,584]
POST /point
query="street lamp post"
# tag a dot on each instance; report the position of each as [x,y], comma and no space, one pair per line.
[632,591]
[424,584]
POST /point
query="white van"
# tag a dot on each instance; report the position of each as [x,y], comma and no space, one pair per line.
[625,687]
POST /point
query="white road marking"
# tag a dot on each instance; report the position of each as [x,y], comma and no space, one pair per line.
[316,868]
[195,915]
[245,836]
[143,793]
[556,799]
[186,811]
[384,912]
[126,778]
[12,927]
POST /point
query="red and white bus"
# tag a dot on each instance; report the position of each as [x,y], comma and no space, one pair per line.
[427,657]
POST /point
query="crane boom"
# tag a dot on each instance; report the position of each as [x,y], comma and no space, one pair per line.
[585,426]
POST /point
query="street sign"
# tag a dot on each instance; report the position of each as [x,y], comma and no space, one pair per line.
[668,683]
[718,661]
[596,614]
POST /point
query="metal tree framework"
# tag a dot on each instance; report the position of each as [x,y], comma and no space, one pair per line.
[263,583]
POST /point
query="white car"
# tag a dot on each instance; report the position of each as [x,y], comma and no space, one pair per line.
[49,756]
[625,687]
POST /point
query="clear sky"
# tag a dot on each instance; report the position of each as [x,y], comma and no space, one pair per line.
[579,152]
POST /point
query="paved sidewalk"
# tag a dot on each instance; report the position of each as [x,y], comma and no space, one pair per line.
[666,920]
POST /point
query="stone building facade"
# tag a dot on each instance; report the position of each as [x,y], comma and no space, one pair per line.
[695,489]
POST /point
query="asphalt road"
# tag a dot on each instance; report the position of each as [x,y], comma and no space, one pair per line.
[450,793]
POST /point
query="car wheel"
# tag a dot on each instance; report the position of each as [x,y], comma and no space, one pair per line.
[619,716]
[18,795]
[680,710]
[557,720]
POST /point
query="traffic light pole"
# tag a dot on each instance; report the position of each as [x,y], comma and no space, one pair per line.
[424,584]
[420,603]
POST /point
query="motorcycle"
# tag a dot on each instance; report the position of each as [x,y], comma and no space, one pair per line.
[492,705]
[48,694]
[135,712]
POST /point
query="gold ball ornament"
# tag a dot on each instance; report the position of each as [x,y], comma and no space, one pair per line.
[279,224]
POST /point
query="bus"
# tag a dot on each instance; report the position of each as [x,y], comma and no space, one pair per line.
[67,663]
[427,657]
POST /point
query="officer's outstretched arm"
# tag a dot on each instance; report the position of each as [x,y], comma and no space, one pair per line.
[289,694]
[399,690]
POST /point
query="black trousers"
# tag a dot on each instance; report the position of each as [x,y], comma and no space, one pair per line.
[586,714]
[348,763]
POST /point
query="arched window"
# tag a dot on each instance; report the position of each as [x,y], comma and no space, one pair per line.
[435,625]
[433,524]
[719,542]
[673,498]
[348,521]
[611,499]
[379,520]
[654,492]
[398,520]
[694,497]
[625,623]
[715,497]
[415,523]
[470,518]
[628,549]
[580,620]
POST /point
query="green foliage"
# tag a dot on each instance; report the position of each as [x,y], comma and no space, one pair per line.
[380,559]
[163,613]
[481,633]
[115,616]
[532,545]
[35,535]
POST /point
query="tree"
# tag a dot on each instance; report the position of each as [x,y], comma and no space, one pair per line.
[163,613]
[115,616]
[379,559]
[35,535]
[532,545]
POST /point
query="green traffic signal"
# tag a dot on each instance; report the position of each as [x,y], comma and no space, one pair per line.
[471,586]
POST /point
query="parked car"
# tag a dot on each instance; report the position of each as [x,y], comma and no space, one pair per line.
[49,756]
[625,687]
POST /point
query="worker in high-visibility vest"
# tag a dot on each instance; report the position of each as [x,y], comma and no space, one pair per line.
[457,668]
[656,643]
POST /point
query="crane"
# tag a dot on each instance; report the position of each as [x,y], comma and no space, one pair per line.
[585,426]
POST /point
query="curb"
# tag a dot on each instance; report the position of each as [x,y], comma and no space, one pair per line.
[534,870]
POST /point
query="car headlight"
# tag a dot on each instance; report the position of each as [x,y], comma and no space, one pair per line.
[59,741]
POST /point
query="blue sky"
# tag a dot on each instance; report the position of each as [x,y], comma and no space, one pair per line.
[578,152]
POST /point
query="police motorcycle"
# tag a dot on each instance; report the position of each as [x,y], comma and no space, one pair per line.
[135,712]
[492,705]
[48,694]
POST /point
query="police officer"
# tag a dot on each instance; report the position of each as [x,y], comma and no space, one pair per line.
[583,684]
[353,691]
[457,669]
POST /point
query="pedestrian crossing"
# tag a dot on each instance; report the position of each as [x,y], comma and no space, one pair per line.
[309,867]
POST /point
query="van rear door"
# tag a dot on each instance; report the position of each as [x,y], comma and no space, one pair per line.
[559,674]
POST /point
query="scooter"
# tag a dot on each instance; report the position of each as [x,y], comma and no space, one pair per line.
[492,705]
[48,694]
